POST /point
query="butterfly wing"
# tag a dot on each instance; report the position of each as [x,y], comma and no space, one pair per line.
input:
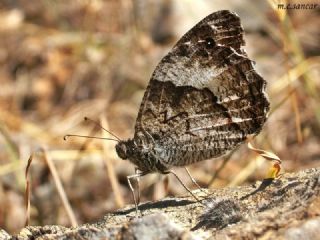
[204,97]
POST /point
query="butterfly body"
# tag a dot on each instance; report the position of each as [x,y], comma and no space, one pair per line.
[203,100]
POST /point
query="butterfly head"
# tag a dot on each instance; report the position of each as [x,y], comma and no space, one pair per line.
[125,149]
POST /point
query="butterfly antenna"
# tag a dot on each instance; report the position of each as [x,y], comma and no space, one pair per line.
[99,125]
[65,137]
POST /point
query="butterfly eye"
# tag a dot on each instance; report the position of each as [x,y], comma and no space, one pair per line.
[209,42]
[122,150]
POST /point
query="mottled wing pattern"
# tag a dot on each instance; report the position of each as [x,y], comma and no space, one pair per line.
[204,97]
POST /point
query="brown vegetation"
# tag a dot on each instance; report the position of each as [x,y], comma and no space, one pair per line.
[63,60]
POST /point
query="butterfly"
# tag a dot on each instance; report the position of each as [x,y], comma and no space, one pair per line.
[203,100]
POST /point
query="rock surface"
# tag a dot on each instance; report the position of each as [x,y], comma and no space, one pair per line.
[285,208]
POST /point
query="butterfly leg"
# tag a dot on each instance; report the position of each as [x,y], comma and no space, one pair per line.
[193,180]
[136,170]
[185,187]
[136,176]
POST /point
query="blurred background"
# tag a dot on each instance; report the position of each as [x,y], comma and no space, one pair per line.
[63,60]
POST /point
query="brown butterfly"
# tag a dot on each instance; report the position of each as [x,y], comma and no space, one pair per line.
[203,100]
